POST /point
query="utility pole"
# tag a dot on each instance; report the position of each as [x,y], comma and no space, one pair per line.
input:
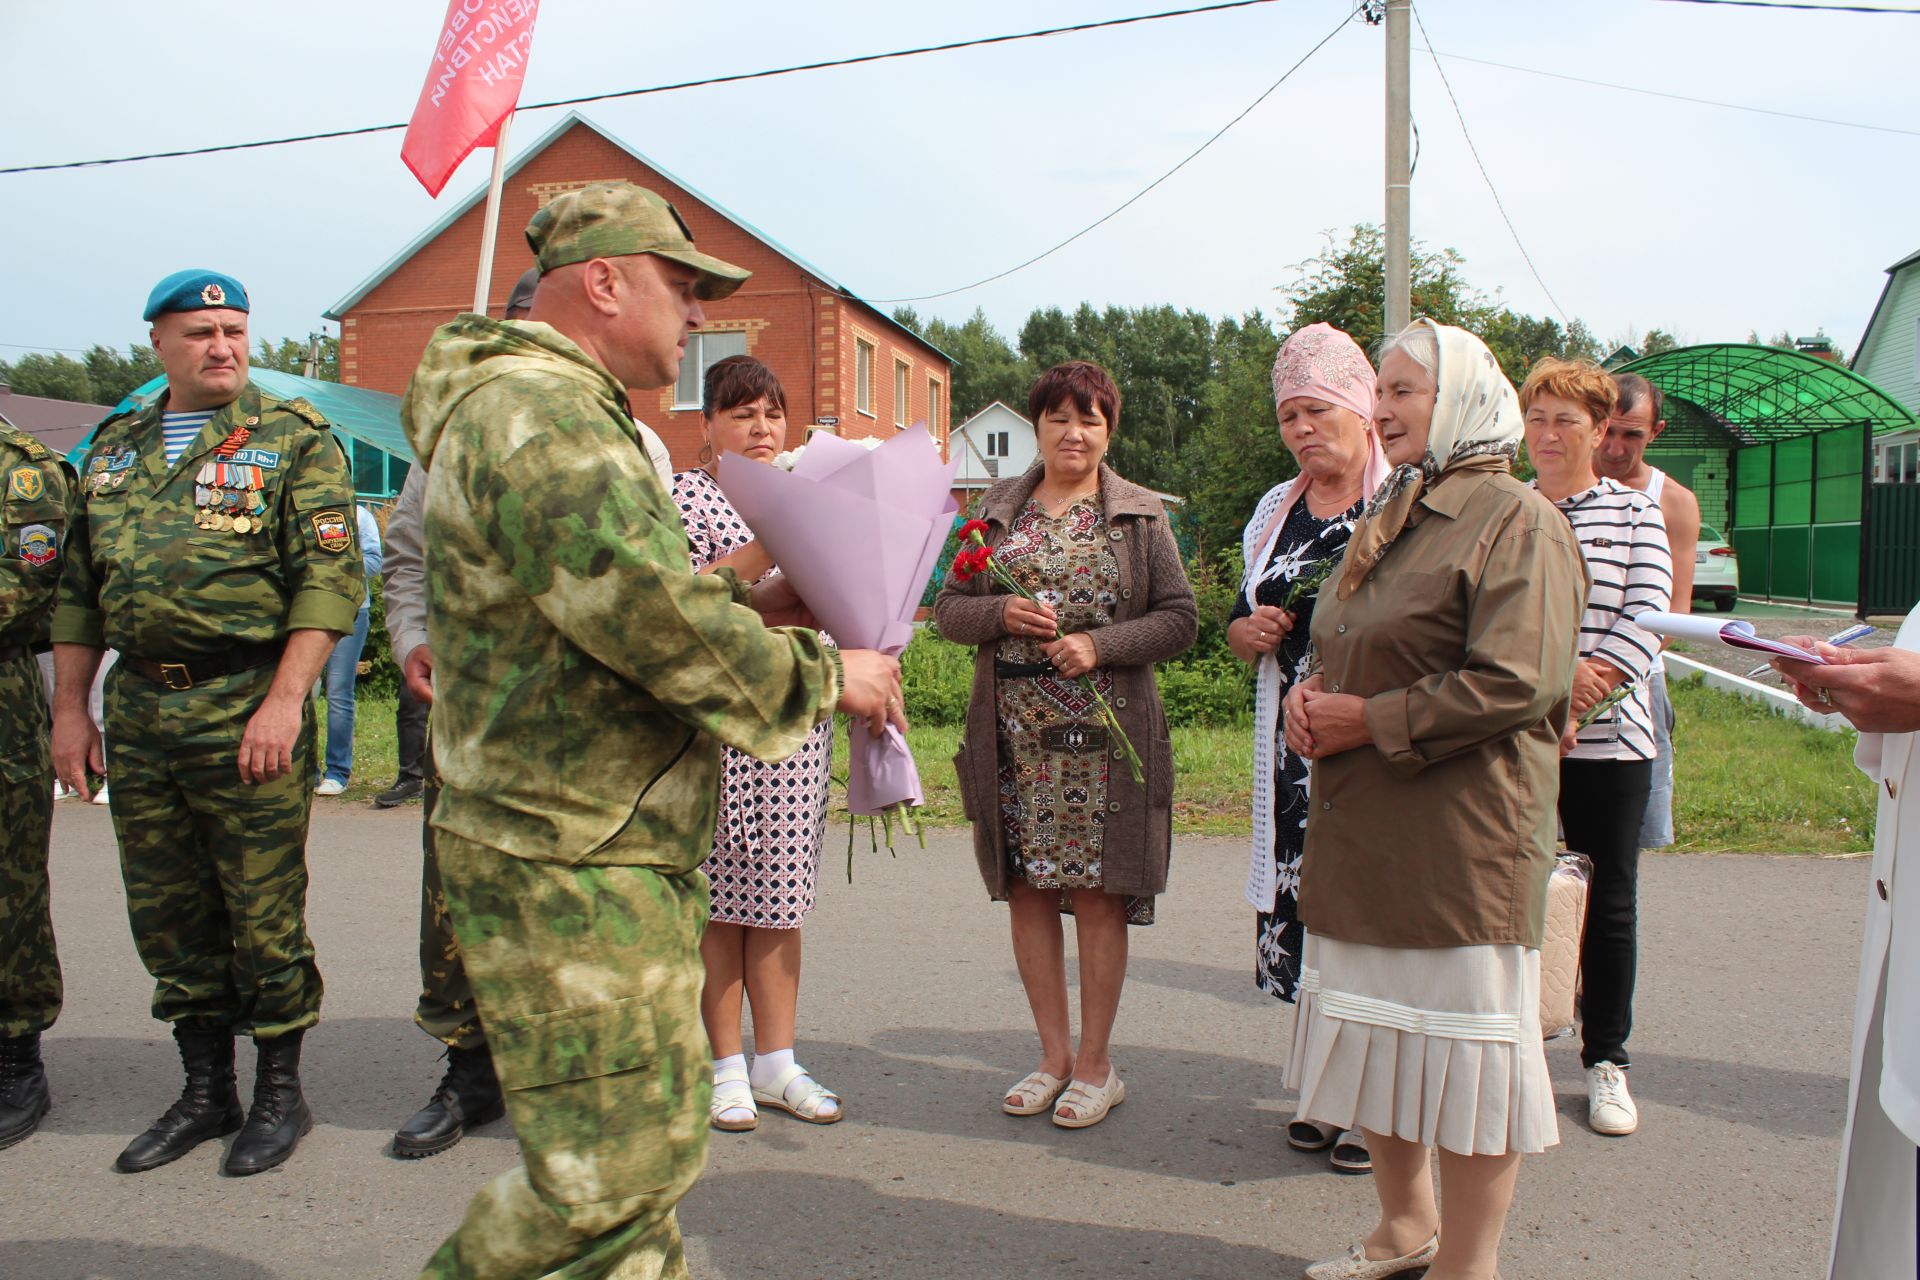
[1399,302]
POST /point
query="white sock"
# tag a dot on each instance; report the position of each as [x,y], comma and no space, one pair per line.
[768,1066]
[731,1063]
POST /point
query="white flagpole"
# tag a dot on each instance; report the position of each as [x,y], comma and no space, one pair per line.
[485,279]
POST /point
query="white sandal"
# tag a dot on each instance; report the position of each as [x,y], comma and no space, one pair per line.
[1035,1093]
[806,1105]
[1090,1102]
[733,1093]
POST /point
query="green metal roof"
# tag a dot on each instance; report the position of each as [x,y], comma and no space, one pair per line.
[355,412]
[1756,394]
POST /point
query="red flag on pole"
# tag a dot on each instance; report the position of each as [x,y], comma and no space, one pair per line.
[472,85]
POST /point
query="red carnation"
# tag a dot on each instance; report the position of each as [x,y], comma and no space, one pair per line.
[972,530]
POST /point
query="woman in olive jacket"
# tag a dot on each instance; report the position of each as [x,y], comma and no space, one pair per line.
[1059,824]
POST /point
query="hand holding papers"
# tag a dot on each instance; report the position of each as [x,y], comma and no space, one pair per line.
[1738,635]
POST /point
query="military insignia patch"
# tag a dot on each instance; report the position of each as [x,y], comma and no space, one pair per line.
[26,483]
[331,530]
[268,458]
[214,296]
[39,545]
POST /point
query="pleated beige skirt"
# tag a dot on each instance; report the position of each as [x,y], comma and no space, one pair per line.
[1436,1046]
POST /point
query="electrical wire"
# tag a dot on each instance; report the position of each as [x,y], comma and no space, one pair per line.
[1136,196]
[1475,151]
[736,78]
[1677,97]
[1807,8]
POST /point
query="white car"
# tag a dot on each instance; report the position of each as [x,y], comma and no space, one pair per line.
[1716,571]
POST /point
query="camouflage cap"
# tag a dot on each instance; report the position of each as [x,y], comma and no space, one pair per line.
[615,219]
[195,289]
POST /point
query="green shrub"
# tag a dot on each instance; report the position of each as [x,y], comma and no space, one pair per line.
[1212,691]
[382,673]
[937,678]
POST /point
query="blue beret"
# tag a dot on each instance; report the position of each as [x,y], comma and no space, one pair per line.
[195,290]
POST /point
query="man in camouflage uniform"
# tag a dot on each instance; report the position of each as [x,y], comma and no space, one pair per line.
[585,681]
[39,500]
[217,551]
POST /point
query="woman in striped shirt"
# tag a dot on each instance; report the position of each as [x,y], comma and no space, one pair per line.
[1606,768]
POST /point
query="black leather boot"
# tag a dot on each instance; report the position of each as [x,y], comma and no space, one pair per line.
[469,1095]
[209,1106]
[23,1088]
[279,1117]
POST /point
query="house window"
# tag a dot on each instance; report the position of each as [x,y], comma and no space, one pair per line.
[933,405]
[704,350]
[997,444]
[902,379]
[863,376]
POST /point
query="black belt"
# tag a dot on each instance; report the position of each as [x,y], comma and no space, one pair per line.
[185,675]
[1022,670]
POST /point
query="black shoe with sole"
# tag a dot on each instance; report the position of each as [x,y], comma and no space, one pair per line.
[398,794]
[209,1106]
[468,1096]
[24,1097]
[279,1117]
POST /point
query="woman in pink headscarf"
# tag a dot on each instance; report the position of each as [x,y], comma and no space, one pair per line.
[1323,390]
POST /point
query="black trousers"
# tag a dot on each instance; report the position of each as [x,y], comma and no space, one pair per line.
[410,724]
[1601,805]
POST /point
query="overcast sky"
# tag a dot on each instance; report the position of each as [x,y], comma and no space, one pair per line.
[915,176]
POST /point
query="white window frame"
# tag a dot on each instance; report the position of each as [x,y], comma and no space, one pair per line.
[935,388]
[865,352]
[902,390]
[696,359]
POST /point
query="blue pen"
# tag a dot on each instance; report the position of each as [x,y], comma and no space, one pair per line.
[1839,640]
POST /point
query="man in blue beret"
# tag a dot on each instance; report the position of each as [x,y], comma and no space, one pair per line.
[216,549]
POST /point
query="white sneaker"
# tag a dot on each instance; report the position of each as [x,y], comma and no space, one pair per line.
[1610,1108]
[60,791]
[330,787]
[100,796]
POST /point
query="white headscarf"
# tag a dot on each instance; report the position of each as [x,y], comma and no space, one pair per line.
[1476,424]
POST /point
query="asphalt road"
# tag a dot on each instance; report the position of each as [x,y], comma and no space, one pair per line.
[911,1010]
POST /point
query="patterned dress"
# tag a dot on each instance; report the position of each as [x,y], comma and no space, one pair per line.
[1053,744]
[773,817]
[1305,542]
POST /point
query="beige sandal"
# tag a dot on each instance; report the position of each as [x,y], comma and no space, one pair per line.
[1090,1102]
[732,1092]
[809,1098]
[1036,1092]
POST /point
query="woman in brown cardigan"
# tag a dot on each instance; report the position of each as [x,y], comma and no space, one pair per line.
[1447,651]
[1059,825]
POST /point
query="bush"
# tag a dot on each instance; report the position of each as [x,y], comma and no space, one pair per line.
[380,674]
[937,679]
[1211,691]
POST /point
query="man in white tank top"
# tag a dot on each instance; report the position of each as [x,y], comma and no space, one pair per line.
[1622,455]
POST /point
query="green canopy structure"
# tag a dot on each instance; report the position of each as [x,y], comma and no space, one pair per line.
[1779,447]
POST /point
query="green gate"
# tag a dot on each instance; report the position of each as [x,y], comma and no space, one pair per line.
[1890,578]
[1797,507]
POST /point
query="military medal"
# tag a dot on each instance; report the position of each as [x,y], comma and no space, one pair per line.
[242,525]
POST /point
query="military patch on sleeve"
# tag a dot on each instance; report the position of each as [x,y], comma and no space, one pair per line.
[39,545]
[331,531]
[26,483]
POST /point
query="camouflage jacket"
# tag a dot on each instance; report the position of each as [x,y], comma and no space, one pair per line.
[39,501]
[585,677]
[148,576]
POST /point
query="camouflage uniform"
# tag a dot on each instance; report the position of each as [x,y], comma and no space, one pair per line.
[586,680]
[215,868]
[39,501]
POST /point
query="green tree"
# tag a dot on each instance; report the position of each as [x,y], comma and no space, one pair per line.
[57,377]
[1236,454]
[1656,341]
[289,355]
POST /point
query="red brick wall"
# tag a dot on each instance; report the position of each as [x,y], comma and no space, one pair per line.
[806,334]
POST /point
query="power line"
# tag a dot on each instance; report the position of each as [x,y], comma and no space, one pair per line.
[1677,97]
[1808,8]
[1136,196]
[1475,151]
[670,88]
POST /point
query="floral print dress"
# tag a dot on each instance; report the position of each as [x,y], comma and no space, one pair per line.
[1305,542]
[1053,745]
[772,817]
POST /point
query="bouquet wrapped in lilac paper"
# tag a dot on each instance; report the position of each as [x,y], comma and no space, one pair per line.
[857,530]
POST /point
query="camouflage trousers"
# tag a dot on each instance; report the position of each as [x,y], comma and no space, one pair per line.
[30,987]
[215,868]
[445,1010]
[589,981]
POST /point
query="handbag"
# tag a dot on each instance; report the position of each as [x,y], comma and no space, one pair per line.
[1560,946]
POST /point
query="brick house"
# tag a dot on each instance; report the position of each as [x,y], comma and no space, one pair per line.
[837,357]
